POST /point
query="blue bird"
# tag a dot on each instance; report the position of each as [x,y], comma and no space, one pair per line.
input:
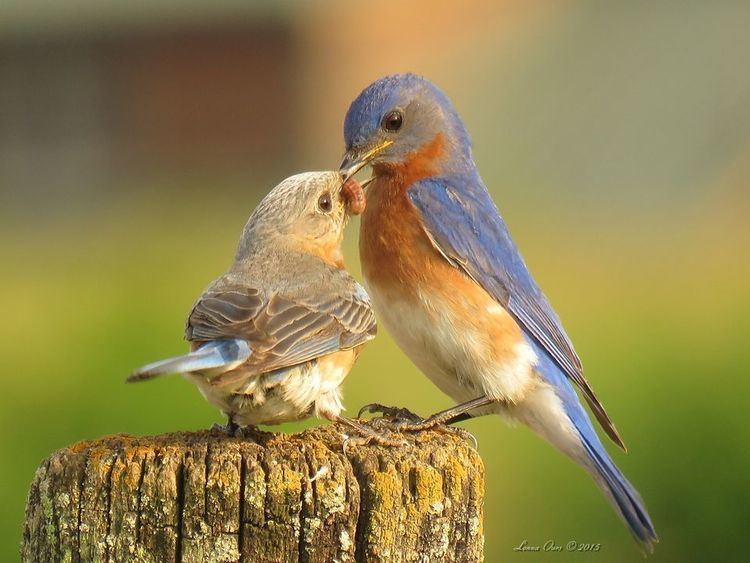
[449,284]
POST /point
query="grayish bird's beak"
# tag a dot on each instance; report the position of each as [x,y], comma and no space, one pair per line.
[355,160]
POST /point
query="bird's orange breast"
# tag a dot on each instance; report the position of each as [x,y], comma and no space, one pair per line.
[394,248]
[401,264]
[395,251]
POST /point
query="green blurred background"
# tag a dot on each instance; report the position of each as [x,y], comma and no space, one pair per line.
[135,139]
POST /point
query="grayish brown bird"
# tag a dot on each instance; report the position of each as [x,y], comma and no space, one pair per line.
[273,338]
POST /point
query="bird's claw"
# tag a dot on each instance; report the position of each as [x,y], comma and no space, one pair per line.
[395,413]
[462,433]
[367,434]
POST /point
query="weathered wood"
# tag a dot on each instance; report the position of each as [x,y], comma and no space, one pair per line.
[270,497]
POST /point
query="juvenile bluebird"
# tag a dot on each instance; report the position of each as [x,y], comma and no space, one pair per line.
[450,286]
[274,337]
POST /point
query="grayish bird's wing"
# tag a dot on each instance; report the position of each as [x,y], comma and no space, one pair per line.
[282,329]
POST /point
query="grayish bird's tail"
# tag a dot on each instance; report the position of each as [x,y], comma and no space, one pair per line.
[217,356]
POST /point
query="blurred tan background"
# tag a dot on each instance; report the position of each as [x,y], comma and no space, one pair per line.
[136,138]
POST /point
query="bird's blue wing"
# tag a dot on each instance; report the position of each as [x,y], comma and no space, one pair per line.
[464,224]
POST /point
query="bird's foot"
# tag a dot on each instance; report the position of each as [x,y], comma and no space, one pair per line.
[394,413]
[429,423]
[439,421]
[437,425]
[402,419]
[366,435]
[410,423]
[230,428]
[234,430]
[237,431]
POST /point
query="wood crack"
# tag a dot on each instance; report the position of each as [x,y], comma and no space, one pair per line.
[241,518]
[108,510]
[139,500]
[305,510]
[180,508]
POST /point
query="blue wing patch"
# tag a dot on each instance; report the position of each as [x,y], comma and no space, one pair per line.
[464,224]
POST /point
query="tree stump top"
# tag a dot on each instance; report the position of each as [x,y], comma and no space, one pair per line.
[204,496]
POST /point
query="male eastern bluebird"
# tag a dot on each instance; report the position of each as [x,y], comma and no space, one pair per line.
[449,284]
[274,337]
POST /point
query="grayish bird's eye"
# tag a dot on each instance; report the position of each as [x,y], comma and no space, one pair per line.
[392,121]
[324,203]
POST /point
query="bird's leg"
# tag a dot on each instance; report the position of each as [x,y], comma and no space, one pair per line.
[449,416]
[396,413]
[366,435]
[230,428]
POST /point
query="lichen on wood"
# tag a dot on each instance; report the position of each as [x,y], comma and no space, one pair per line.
[204,496]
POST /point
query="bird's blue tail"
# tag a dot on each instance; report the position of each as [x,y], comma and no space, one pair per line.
[547,416]
[621,494]
[217,356]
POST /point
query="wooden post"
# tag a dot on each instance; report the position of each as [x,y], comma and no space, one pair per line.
[271,497]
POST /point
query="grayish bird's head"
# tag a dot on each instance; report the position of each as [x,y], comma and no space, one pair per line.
[306,211]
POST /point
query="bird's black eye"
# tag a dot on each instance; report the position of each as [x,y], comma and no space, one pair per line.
[324,203]
[392,121]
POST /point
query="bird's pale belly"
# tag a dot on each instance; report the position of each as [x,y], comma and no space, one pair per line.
[462,345]
[284,395]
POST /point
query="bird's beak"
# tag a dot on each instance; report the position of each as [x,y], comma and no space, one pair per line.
[355,159]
